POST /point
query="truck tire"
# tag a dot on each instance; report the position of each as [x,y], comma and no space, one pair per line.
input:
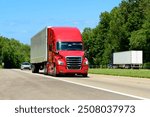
[45,69]
[84,75]
[55,72]
[35,69]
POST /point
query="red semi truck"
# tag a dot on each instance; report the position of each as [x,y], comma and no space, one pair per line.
[58,50]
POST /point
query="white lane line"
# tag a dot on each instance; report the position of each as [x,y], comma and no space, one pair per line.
[85,85]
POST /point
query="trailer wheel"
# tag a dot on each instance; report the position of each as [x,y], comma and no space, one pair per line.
[45,69]
[35,69]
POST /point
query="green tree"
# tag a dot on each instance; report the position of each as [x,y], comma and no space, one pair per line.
[13,53]
[89,43]
[124,28]
[140,39]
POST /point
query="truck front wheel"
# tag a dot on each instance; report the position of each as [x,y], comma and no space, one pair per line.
[84,75]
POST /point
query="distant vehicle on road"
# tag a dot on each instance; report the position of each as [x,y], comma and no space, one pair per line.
[128,59]
[25,65]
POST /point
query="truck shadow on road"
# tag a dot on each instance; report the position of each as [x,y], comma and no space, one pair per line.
[65,76]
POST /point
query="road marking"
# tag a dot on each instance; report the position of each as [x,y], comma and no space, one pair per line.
[85,85]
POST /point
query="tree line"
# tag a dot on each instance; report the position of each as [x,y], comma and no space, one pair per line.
[126,27]
[13,53]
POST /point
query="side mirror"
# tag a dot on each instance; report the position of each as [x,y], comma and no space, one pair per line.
[56,52]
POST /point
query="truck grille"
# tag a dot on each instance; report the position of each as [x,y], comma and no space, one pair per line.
[74,62]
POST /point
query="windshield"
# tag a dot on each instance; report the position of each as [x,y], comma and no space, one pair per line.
[69,46]
[25,63]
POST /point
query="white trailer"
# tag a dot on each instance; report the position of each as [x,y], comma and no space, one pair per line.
[128,59]
[39,47]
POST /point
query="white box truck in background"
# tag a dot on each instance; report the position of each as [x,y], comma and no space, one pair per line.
[128,59]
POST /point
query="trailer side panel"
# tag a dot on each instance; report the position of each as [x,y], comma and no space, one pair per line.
[39,47]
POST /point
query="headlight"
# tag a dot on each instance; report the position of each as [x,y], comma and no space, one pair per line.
[86,62]
[60,62]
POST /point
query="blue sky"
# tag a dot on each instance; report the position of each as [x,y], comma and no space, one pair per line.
[21,19]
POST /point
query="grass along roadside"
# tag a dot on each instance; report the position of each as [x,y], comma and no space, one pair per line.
[140,73]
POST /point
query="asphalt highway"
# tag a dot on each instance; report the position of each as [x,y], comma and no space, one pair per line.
[16,84]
